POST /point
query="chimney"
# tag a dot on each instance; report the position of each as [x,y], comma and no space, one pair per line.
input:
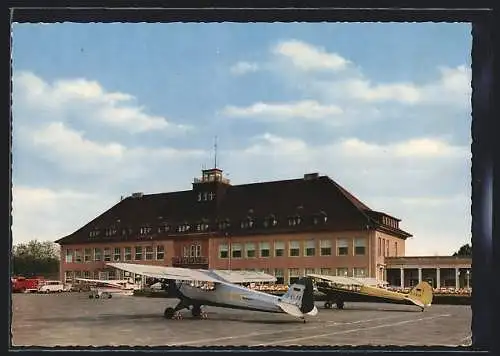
[311,176]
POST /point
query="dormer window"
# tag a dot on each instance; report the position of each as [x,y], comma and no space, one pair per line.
[223,225]
[201,227]
[294,220]
[94,233]
[247,223]
[110,232]
[270,221]
[145,230]
[164,228]
[183,228]
[320,218]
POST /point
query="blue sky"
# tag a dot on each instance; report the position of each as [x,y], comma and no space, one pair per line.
[103,110]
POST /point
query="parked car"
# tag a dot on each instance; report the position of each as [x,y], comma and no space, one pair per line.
[51,287]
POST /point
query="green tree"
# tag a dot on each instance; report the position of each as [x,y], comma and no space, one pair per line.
[464,251]
[35,258]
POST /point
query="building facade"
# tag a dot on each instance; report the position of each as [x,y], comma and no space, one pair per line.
[286,228]
[440,271]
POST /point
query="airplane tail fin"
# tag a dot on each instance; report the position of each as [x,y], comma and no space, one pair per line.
[301,295]
[421,294]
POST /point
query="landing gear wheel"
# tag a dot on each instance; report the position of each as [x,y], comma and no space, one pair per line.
[109,296]
[196,311]
[91,296]
[169,313]
[304,320]
[96,296]
[328,305]
[340,305]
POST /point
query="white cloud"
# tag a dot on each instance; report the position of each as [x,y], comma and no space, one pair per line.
[241,68]
[416,148]
[424,201]
[86,100]
[430,148]
[364,90]
[305,109]
[344,96]
[271,144]
[45,214]
[308,58]
[452,88]
[74,152]
[66,142]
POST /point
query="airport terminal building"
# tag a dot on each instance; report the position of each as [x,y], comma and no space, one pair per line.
[286,228]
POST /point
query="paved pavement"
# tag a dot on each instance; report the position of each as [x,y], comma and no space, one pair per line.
[71,319]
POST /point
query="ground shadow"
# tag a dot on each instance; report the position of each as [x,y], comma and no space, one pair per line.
[186,317]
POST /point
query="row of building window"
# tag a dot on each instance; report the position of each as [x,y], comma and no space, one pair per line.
[116,254]
[309,248]
[383,247]
[292,273]
[202,227]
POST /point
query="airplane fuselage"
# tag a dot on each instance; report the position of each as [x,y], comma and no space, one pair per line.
[230,296]
[364,294]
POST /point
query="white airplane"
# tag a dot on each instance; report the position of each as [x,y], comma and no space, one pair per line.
[101,288]
[196,287]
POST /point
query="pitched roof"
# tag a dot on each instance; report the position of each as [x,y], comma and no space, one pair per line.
[310,199]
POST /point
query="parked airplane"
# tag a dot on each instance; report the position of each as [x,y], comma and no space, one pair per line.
[100,288]
[344,289]
[197,287]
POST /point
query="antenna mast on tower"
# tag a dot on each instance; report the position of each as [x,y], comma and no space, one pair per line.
[215,152]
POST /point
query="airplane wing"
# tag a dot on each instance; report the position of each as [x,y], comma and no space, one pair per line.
[244,276]
[88,280]
[368,281]
[338,279]
[163,272]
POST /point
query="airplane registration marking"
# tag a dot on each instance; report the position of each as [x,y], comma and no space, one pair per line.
[273,331]
[354,330]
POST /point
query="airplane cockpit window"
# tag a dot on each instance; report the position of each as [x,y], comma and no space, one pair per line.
[208,286]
